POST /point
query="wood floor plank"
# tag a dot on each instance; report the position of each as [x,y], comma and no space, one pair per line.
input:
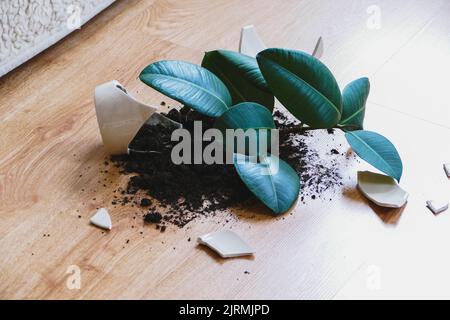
[415,80]
[352,48]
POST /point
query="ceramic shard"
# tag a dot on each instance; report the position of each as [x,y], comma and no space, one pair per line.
[227,244]
[318,49]
[381,189]
[250,43]
[447,169]
[119,116]
[102,219]
[437,206]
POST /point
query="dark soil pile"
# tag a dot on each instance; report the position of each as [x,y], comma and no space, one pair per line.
[177,194]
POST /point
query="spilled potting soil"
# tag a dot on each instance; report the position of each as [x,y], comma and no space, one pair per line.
[178,194]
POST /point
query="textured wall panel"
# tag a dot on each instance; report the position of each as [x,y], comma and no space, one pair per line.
[29,26]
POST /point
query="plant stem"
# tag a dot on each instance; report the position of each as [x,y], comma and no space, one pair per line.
[348,126]
[300,128]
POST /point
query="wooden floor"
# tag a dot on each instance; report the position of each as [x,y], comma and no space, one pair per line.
[51,155]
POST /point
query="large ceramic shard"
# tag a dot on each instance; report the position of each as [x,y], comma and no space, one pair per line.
[381,189]
[226,243]
[250,43]
[119,116]
[447,169]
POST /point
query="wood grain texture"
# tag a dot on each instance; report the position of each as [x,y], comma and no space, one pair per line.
[51,156]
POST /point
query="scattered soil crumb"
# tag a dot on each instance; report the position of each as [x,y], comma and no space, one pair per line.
[146,202]
[153,217]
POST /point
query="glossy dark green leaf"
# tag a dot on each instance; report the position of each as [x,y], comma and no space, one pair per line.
[304,85]
[271,180]
[241,75]
[376,150]
[354,99]
[192,85]
[248,115]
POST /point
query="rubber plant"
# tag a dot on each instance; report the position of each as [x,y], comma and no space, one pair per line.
[239,91]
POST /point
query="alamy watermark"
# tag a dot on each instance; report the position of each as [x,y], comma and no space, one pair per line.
[73,281]
[374,20]
[233,145]
[373,280]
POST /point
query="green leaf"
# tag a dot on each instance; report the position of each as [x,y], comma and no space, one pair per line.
[376,150]
[354,99]
[192,85]
[271,180]
[304,85]
[247,115]
[241,75]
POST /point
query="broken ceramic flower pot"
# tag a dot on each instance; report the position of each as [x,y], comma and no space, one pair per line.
[120,116]
[251,44]
[381,189]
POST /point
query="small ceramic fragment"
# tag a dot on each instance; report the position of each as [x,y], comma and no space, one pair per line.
[437,206]
[447,169]
[102,219]
[318,49]
[226,243]
[381,189]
